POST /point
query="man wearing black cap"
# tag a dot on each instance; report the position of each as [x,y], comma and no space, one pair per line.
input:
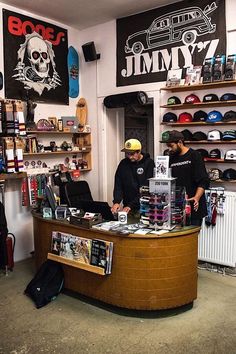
[188,167]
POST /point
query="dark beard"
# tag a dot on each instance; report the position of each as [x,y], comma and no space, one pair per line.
[175,153]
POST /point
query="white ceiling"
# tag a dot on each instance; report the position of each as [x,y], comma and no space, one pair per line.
[82,14]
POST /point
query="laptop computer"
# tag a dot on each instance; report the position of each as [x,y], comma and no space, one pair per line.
[97,207]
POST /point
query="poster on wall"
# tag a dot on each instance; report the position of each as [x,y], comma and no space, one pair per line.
[171,37]
[35,59]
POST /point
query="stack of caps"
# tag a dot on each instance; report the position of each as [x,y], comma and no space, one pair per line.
[214,135]
[185,117]
[200,116]
[173,100]
[215,174]
[191,99]
[199,136]
[229,174]
[229,135]
[210,97]
[228,97]
[204,153]
[169,117]
[230,155]
[214,117]
[229,116]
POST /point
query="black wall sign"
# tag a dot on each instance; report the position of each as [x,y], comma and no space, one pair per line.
[170,37]
[35,59]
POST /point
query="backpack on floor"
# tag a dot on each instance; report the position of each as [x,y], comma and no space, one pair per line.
[46,284]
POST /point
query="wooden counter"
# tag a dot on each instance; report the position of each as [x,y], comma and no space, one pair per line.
[149,272]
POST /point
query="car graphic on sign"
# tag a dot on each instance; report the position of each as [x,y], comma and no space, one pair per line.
[181,25]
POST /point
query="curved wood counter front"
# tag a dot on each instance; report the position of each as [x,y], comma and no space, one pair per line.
[149,272]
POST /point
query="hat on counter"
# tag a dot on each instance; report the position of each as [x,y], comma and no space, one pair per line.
[229,135]
[230,155]
[169,117]
[132,145]
[173,100]
[187,134]
[228,97]
[185,117]
[171,136]
[210,97]
[214,135]
[215,174]
[198,136]
[229,174]
[229,116]
[200,116]
[203,152]
[192,99]
[214,117]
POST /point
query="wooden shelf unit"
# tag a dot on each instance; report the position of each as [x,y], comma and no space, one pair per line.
[200,104]
[194,124]
[11,176]
[72,263]
[212,85]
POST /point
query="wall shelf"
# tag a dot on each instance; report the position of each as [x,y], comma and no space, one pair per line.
[10,176]
[193,124]
[212,85]
[72,263]
[200,104]
[211,142]
[74,152]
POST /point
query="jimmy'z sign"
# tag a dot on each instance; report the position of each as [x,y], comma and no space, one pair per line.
[171,37]
[35,59]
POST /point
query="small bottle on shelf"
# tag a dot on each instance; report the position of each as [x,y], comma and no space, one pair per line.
[187,212]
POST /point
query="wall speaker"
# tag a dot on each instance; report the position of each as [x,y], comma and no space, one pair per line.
[125,99]
[89,51]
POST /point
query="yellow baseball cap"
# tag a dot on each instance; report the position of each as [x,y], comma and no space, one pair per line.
[132,145]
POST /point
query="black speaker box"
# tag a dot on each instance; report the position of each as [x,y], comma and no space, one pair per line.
[125,99]
[89,51]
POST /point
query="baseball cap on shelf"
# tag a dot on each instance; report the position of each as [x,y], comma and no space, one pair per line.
[229,174]
[187,135]
[229,116]
[214,117]
[215,154]
[185,117]
[230,155]
[214,135]
[198,136]
[215,174]
[132,145]
[229,135]
[169,117]
[228,97]
[192,99]
[203,152]
[210,97]
[171,136]
[200,116]
[173,100]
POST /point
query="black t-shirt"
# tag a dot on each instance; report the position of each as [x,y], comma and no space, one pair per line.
[190,171]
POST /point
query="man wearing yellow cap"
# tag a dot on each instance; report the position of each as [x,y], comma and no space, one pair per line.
[132,173]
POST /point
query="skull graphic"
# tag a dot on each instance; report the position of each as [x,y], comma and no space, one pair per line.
[38,56]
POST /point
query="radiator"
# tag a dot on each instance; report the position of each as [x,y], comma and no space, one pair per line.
[217,244]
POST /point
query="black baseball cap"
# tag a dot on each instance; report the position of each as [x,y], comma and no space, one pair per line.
[228,97]
[169,117]
[203,152]
[171,136]
[229,174]
[198,136]
[200,116]
[210,97]
[228,116]
[173,100]
[187,134]
[215,154]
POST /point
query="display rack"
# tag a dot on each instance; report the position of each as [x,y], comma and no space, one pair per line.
[75,264]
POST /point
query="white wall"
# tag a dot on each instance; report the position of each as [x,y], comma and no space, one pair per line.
[19,218]
[98,79]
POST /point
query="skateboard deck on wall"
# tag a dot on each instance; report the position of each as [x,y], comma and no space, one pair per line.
[81,111]
[73,72]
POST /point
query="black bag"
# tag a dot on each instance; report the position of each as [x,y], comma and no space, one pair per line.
[46,284]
